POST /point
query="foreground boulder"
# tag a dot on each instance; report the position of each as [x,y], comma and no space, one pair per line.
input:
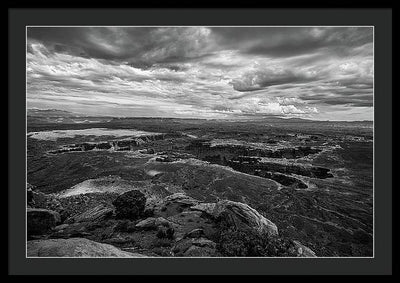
[41,221]
[239,215]
[130,205]
[74,247]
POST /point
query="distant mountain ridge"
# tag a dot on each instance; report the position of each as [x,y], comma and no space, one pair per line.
[57,113]
[51,113]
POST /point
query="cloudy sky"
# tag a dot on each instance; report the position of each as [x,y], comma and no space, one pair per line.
[322,73]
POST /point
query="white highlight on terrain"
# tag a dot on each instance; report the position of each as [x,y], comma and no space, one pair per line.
[258,145]
[56,134]
[190,136]
[110,184]
[88,121]
[153,172]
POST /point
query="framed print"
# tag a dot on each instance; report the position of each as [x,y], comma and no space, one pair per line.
[185,141]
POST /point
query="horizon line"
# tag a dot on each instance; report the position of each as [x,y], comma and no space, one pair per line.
[244,117]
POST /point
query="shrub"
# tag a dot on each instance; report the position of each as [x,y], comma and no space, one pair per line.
[161,251]
[130,205]
[165,232]
[163,242]
[246,242]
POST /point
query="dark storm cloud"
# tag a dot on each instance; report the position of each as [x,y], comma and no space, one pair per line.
[142,45]
[203,71]
[87,41]
[289,41]
[265,77]
[178,43]
[346,101]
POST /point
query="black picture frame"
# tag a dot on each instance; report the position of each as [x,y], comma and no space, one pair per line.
[380,264]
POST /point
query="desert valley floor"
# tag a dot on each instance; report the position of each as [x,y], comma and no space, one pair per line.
[265,187]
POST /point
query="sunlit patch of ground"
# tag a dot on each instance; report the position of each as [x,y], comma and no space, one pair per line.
[153,172]
[57,134]
[114,184]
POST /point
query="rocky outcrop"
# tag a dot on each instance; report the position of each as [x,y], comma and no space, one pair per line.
[153,223]
[163,227]
[208,208]
[117,145]
[94,214]
[179,225]
[239,215]
[74,247]
[206,149]
[41,221]
[174,204]
[267,163]
[284,168]
[130,205]
[298,169]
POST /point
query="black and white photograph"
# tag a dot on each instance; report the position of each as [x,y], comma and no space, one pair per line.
[200,141]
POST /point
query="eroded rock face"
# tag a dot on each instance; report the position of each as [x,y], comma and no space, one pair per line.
[74,247]
[206,149]
[117,145]
[270,163]
[298,169]
[130,205]
[41,221]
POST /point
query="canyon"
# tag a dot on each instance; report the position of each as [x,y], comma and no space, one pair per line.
[313,182]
